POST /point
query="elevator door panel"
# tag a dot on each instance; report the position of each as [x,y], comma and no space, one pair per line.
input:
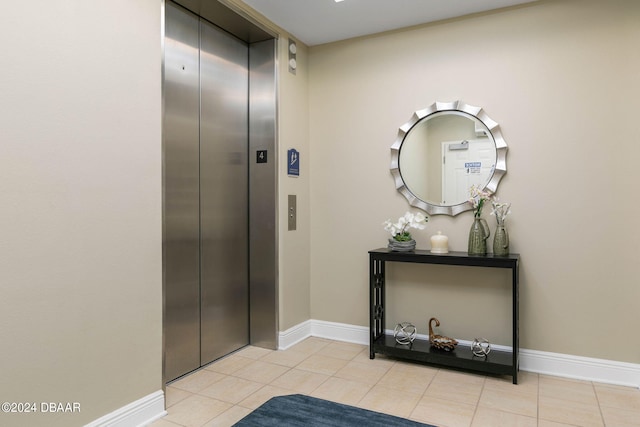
[223,193]
[205,131]
[181,193]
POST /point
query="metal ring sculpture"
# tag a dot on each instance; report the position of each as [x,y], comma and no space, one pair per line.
[405,333]
[481,347]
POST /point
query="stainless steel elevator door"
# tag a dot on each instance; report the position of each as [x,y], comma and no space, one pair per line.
[206,193]
[181,193]
[224,192]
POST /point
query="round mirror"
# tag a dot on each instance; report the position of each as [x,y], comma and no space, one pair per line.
[442,152]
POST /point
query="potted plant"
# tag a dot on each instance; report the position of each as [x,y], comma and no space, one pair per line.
[401,239]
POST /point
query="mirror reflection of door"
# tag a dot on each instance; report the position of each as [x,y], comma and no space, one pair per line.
[464,164]
[428,169]
[423,161]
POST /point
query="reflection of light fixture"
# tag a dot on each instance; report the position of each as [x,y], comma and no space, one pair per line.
[480,131]
[338,1]
[293,50]
[464,145]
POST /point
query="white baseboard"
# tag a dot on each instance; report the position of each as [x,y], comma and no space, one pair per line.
[581,368]
[540,362]
[340,332]
[294,335]
[322,329]
[142,412]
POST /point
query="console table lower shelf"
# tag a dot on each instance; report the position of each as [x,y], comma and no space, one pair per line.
[497,361]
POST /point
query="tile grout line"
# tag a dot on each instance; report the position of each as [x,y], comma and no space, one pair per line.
[475,411]
[538,402]
[595,392]
[422,396]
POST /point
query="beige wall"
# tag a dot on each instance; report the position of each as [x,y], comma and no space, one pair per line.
[80,206]
[561,77]
[294,246]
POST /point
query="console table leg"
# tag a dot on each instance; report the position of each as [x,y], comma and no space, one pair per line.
[372,320]
[376,303]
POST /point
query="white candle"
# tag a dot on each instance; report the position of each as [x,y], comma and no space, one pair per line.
[439,243]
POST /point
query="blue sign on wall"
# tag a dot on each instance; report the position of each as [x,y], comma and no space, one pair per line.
[473,167]
[293,162]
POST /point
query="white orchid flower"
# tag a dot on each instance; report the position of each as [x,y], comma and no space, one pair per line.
[500,211]
[419,221]
[409,220]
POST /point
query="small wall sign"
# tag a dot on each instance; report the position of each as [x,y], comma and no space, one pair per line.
[473,167]
[261,156]
[293,162]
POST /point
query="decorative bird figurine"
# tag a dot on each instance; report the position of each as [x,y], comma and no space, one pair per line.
[439,341]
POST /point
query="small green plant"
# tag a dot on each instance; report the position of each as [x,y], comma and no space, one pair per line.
[400,229]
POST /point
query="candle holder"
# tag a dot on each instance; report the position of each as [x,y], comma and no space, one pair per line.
[439,244]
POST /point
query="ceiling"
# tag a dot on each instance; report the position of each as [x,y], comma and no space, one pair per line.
[316,22]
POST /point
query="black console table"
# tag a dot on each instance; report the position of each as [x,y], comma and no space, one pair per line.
[496,362]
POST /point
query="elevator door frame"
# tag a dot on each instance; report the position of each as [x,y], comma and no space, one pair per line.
[262,179]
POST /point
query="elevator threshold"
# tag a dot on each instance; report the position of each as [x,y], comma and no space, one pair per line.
[206,365]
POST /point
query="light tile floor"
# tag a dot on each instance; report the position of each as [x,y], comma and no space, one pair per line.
[225,391]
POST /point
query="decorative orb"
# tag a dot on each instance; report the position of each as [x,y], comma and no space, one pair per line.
[481,347]
[405,333]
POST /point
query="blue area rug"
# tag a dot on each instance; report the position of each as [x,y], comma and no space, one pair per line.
[297,410]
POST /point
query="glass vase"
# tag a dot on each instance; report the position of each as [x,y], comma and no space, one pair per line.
[478,236]
[501,241]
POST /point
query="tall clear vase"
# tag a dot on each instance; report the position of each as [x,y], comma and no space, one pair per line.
[478,236]
[501,241]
